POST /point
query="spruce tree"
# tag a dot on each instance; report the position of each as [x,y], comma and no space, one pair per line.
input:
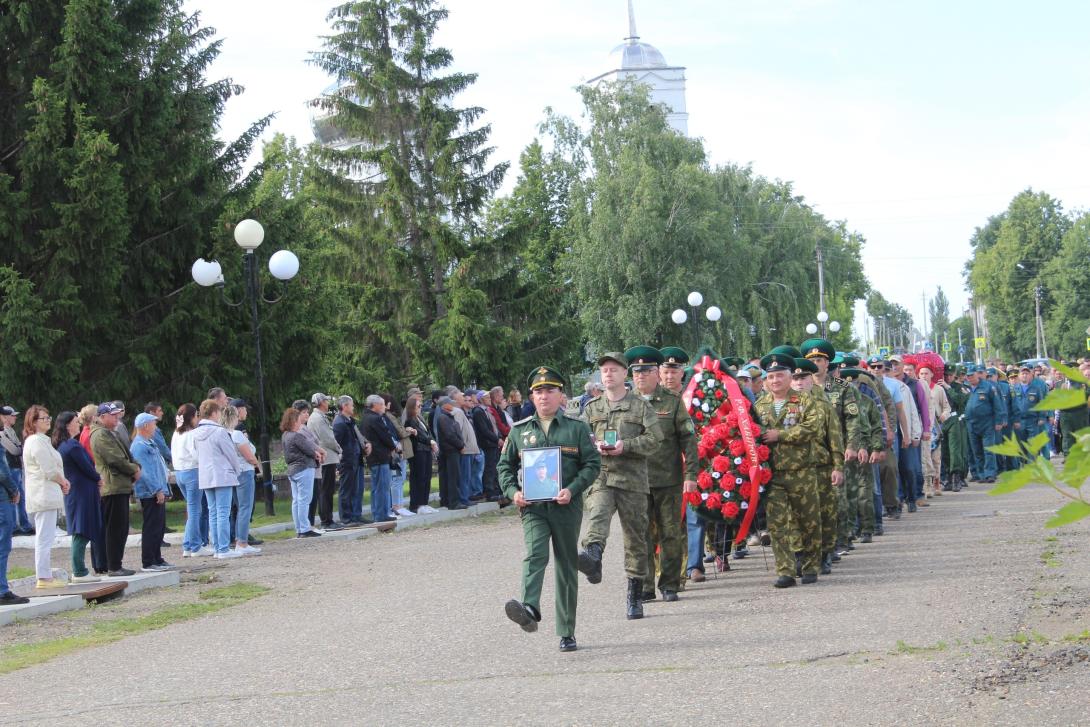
[407,192]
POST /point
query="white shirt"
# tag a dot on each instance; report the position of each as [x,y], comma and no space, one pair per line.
[183,451]
[241,440]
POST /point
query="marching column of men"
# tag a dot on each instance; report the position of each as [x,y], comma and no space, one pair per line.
[835,428]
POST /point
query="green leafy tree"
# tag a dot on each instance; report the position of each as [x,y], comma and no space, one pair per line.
[406,188]
[938,311]
[893,322]
[1065,280]
[1004,274]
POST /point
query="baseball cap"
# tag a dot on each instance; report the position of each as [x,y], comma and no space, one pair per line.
[143,418]
[319,398]
[743,374]
[8,411]
[238,402]
[896,357]
[444,400]
[109,407]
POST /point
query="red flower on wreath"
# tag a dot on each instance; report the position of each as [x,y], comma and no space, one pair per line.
[704,480]
[763,452]
[721,464]
[737,447]
[693,498]
[728,484]
[766,476]
[730,510]
[698,416]
[718,393]
[745,490]
[714,501]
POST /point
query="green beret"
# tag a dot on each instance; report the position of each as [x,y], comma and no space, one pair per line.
[776,361]
[850,372]
[732,362]
[673,357]
[615,356]
[818,347]
[788,350]
[805,366]
[642,358]
[849,360]
[545,376]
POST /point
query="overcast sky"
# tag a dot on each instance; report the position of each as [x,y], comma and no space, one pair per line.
[911,121]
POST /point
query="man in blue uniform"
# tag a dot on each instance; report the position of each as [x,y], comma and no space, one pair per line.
[986,414]
[999,379]
[1025,395]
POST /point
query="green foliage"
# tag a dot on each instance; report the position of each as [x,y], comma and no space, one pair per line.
[1074,474]
[938,311]
[1064,278]
[894,322]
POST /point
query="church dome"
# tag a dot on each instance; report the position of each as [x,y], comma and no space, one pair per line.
[634,54]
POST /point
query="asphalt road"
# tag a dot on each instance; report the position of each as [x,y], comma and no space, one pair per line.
[921,627]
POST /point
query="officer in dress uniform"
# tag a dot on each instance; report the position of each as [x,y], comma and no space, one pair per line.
[672,369]
[671,470]
[557,521]
[986,414]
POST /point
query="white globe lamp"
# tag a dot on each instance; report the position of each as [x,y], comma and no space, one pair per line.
[822,316]
[695,298]
[284,265]
[206,273]
[679,316]
[249,235]
[834,326]
[811,328]
[714,313]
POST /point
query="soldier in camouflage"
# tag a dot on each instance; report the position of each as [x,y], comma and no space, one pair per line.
[671,470]
[791,424]
[621,486]
[828,461]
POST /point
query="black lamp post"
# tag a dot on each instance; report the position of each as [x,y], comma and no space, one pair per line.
[283,265]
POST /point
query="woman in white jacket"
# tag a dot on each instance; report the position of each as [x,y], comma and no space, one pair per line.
[46,487]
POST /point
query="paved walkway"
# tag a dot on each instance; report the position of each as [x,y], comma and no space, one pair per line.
[918,628]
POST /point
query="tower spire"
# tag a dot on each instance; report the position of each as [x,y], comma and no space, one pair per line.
[632,35]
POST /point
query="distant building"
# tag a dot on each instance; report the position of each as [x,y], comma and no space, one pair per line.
[645,64]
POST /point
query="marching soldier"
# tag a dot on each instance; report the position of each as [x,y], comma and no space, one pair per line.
[671,470]
[828,460]
[791,425]
[621,486]
[862,474]
[955,432]
[558,520]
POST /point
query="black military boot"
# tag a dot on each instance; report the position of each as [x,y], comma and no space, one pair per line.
[826,564]
[648,595]
[523,614]
[784,582]
[798,565]
[567,643]
[635,605]
[590,562]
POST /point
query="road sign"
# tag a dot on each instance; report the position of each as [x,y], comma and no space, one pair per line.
[980,343]
[883,351]
[947,347]
[962,350]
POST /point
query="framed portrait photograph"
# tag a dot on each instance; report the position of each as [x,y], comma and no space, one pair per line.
[542,478]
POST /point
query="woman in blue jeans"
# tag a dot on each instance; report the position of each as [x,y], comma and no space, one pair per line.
[183,454]
[218,465]
[303,457]
[245,489]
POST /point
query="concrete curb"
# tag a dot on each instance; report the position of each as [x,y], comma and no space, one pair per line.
[38,607]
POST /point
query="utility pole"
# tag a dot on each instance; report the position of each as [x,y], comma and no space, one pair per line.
[976,335]
[1037,318]
[923,328]
[821,285]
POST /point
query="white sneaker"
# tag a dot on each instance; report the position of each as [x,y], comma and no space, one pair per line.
[426,510]
[405,512]
[228,554]
[89,578]
[247,550]
[202,553]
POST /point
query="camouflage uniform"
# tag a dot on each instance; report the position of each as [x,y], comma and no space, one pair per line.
[828,456]
[792,498]
[859,477]
[666,469]
[621,486]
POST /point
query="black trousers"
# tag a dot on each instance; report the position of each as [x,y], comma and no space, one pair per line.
[151,536]
[115,528]
[419,478]
[449,474]
[322,500]
[490,478]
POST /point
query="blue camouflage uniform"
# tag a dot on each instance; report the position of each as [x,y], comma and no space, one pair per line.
[984,411]
[1004,463]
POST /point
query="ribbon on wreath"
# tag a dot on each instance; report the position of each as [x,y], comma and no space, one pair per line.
[740,405]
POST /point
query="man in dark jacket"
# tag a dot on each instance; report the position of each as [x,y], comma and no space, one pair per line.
[449,435]
[384,442]
[488,439]
[353,449]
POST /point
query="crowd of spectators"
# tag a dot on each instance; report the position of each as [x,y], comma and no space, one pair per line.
[90,468]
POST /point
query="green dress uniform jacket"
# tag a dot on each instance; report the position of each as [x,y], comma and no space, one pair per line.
[543,522]
[845,401]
